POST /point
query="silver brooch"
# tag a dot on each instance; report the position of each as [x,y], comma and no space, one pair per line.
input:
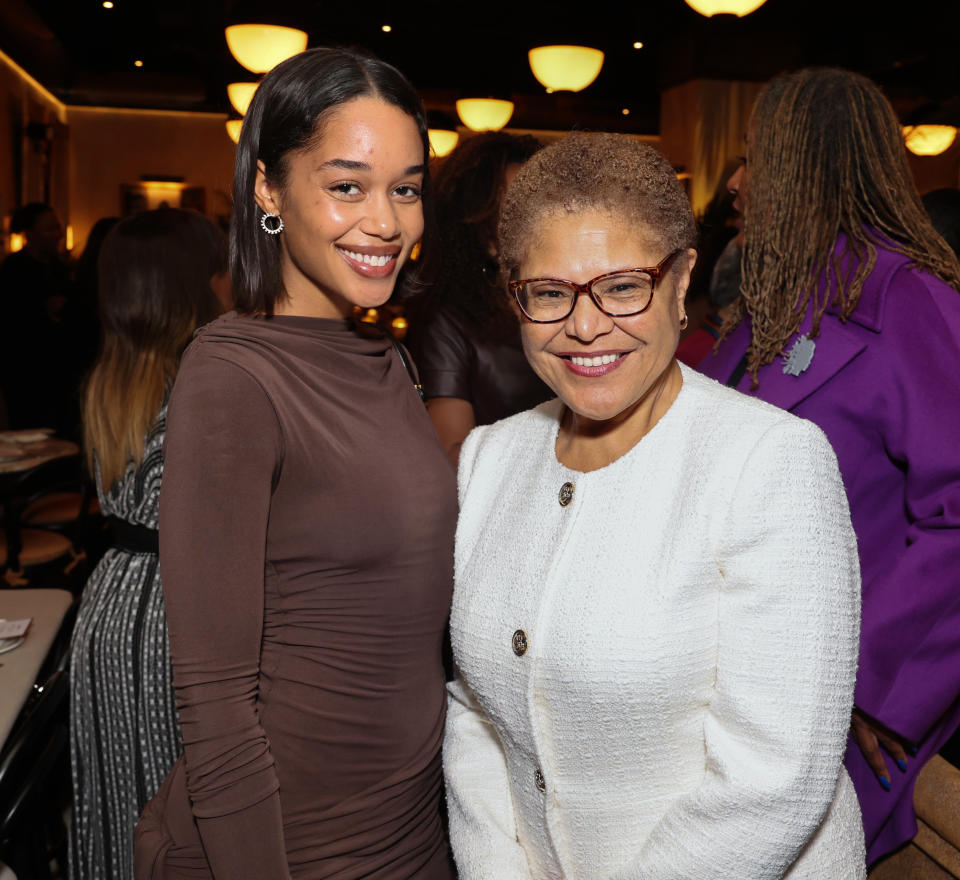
[800,356]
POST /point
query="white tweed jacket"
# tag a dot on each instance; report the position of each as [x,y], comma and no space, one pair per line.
[655,680]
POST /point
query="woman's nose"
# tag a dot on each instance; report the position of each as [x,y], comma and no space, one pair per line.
[586,322]
[382,219]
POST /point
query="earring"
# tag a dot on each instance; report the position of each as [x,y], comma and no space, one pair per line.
[271,230]
[683,322]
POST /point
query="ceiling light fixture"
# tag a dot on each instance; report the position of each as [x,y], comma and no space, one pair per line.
[928,140]
[233,129]
[138,63]
[107,4]
[386,28]
[260,47]
[442,141]
[240,95]
[484,114]
[565,68]
[738,8]
[638,45]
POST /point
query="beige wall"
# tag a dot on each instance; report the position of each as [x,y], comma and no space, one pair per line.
[111,148]
[30,170]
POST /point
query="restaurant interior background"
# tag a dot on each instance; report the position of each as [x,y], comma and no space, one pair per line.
[106,107]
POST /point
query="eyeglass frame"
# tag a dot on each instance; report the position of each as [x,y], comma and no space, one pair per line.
[656,274]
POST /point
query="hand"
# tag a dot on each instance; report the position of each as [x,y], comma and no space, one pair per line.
[873,738]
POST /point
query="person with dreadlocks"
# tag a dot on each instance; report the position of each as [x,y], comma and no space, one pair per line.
[850,317]
[464,335]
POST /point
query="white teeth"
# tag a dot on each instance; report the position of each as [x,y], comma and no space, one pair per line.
[369,259]
[594,361]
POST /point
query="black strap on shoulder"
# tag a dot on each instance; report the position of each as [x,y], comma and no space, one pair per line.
[738,372]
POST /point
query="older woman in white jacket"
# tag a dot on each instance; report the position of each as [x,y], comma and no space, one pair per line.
[656,608]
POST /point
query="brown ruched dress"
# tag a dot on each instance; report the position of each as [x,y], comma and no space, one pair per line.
[306,520]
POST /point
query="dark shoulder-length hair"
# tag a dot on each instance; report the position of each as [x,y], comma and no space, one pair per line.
[286,115]
[154,272]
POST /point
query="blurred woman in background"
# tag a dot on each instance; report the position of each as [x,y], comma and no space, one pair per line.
[850,317]
[161,275]
[464,333]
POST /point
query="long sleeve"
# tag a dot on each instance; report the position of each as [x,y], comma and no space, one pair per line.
[910,648]
[222,454]
[483,831]
[775,730]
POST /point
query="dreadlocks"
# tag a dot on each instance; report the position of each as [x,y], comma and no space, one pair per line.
[825,157]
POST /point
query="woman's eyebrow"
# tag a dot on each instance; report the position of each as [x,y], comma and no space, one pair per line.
[353,165]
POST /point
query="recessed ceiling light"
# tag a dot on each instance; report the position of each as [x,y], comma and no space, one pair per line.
[138,63]
[107,4]
[625,111]
[386,28]
[638,45]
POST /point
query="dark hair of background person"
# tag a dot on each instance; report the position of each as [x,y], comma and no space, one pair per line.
[24,218]
[286,115]
[716,228]
[943,206]
[155,270]
[826,157]
[459,263]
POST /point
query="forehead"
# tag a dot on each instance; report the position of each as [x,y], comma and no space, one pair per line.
[370,130]
[579,246]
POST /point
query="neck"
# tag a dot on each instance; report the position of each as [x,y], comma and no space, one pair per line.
[585,444]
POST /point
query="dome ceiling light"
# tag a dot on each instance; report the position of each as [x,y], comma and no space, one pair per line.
[240,95]
[565,68]
[233,129]
[442,141]
[484,114]
[928,140]
[738,8]
[260,47]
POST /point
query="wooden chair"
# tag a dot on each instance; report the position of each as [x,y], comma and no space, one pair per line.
[934,853]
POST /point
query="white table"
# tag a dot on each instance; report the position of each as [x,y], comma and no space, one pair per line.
[20,666]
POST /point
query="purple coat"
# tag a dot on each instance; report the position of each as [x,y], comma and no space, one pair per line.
[885,388]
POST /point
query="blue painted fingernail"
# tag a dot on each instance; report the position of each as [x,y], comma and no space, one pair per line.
[885,783]
[902,765]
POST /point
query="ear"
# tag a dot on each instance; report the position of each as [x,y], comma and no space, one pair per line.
[265,193]
[685,263]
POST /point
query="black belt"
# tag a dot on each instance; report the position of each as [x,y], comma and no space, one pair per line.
[132,537]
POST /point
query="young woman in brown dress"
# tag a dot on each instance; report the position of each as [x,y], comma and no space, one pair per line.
[307,513]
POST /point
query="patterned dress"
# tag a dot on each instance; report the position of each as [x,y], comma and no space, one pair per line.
[124,736]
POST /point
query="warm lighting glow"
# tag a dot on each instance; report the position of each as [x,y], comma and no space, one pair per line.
[107,4]
[442,141]
[928,140]
[386,28]
[69,239]
[638,45]
[16,242]
[138,63]
[625,111]
[739,8]
[370,316]
[415,252]
[484,114]
[233,129]
[240,95]
[399,323]
[565,68]
[260,47]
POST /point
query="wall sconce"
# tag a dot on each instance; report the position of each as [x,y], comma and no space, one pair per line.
[565,68]
[738,8]
[260,47]
[928,140]
[240,95]
[442,141]
[233,129]
[484,114]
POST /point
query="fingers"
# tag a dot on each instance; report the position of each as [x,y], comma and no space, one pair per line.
[866,739]
[894,748]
